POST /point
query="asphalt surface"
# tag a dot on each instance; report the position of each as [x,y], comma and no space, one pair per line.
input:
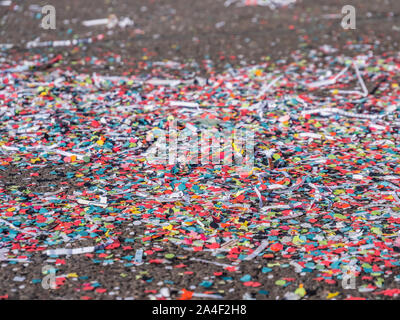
[179,30]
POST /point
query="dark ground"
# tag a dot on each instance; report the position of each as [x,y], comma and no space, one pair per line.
[183,30]
[191,30]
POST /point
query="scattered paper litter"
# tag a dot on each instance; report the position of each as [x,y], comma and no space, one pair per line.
[256,252]
[64,251]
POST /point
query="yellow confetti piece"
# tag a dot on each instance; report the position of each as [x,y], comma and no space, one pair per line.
[72,275]
[34,160]
[239,193]
[236,148]
[332,295]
